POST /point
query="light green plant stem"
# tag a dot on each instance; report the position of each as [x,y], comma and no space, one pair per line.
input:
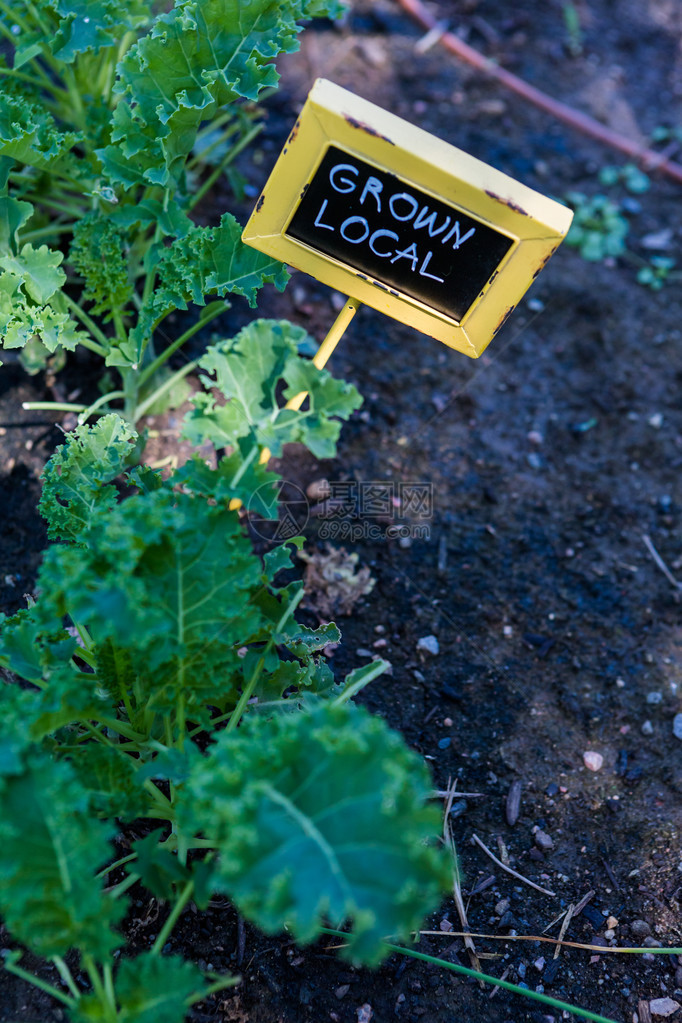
[225,162]
[14,16]
[170,923]
[354,688]
[507,985]
[219,985]
[203,321]
[42,984]
[253,681]
[246,462]
[201,156]
[109,984]
[45,232]
[86,413]
[100,990]
[66,975]
[118,726]
[214,125]
[52,406]
[71,209]
[167,385]
[123,886]
[20,75]
[104,343]
[113,866]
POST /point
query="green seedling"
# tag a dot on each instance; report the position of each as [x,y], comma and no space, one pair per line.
[657,273]
[629,175]
[598,230]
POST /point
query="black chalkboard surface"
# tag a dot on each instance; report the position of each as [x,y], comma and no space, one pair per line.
[397,235]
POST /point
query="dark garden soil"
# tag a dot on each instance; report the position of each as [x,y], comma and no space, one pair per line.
[554,463]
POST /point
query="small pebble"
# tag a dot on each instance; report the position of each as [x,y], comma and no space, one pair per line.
[612,922]
[651,942]
[655,697]
[318,490]
[365,1013]
[640,928]
[593,761]
[513,804]
[458,808]
[543,841]
[342,990]
[428,645]
[647,728]
[677,726]
[552,790]
[502,906]
[363,652]
[656,420]
[444,743]
[663,1006]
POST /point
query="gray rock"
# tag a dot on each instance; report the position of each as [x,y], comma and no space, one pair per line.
[647,728]
[428,645]
[663,1006]
[677,726]
[640,928]
[543,841]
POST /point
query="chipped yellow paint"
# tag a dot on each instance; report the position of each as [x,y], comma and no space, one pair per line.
[529,224]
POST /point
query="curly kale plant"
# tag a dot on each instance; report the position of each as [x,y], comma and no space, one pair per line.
[162,678]
[115,119]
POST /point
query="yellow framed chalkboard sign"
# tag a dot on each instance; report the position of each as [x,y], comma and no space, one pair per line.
[402,221]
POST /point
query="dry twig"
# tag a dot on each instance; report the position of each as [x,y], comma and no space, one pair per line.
[456,885]
[661,563]
[564,927]
[649,159]
[510,870]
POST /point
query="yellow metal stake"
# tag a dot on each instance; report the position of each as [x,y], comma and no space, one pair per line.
[323,353]
[320,359]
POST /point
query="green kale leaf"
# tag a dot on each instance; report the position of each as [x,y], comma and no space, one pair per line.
[149,988]
[206,261]
[320,816]
[98,254]
[197,59]
[31,304]
[50,849]
[75,480]
[250,370]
